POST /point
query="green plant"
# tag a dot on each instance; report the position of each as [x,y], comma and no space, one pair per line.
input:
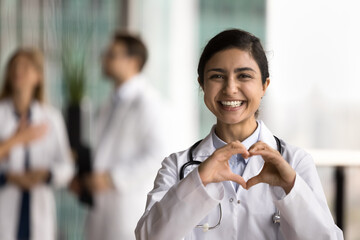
[74,76]
[76,33]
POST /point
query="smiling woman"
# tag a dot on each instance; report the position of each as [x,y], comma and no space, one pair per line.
[233,88]
[274,176]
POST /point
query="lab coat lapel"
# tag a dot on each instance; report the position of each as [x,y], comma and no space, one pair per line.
[102,119]
[37,151]
[256,163]
[110,132]
[37,114]
[35,148]
[114,114]
[253,167]
[107,134]
[205,148]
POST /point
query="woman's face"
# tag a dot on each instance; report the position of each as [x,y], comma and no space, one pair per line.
[232,86]
[25,76]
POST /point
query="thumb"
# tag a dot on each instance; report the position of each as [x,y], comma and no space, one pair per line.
[238,179]
[253,181]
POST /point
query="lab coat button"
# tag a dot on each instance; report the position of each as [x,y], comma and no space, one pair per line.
[231,200]
[238,201]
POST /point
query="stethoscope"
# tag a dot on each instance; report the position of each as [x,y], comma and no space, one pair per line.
[193,163]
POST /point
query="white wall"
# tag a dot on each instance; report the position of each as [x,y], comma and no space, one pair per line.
[169,28]
[314,54]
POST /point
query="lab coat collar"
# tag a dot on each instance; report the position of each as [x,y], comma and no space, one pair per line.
[248,142]
[35,110]
[128,90]
[206,147]
[255,163]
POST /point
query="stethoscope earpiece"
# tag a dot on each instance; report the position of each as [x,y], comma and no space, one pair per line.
[205,227]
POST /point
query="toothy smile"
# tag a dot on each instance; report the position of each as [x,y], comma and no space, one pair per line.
[232,103]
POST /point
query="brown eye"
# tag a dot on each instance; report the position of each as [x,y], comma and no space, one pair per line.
[244,76]
[217,76]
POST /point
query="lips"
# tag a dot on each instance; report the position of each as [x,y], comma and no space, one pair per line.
[231,105]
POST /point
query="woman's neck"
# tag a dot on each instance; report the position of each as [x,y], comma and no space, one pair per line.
[239,131]
[22,102]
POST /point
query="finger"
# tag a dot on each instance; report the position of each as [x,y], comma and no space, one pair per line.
[257,146]
[234,148]
[22,124]
[253,181]
[42,128]
[238,179]
[262,146]
[37,131]
[268,155]
[263,152]
[276,160]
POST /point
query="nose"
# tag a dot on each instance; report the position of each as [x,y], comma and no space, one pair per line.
[230,86]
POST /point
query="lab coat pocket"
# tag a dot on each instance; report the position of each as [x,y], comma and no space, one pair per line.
[206,226]
[260,199]
[260,211]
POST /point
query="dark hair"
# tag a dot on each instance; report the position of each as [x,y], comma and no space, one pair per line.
[234,38]
[134,45]
[35,57]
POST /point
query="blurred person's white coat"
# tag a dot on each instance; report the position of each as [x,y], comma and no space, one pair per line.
[130,145]
[175,207]
[49,152]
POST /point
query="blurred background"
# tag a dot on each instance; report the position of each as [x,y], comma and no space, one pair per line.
[313,50]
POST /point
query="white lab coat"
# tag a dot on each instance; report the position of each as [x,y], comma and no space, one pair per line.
[129,147]
[50,152]
[174,207]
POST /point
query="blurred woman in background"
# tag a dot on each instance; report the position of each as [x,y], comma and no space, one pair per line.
[34,151]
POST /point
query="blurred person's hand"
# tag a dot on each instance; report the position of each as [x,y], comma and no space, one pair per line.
[75,185]
[28,180]
[25,133]
[100,182]
[28,133]
[38,175]
[21,180]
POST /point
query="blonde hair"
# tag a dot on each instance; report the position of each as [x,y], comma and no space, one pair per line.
[35,57]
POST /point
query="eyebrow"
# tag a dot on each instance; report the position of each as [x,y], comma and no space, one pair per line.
[236,70]
[244,69]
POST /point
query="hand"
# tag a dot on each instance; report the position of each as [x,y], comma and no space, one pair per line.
[75,185]
[23,135]
[26,134]
[100,182]
[275,172]
[216,168]
[28,180]
[21,180]
[38,175]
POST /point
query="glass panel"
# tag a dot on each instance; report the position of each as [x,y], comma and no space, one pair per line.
[216,16]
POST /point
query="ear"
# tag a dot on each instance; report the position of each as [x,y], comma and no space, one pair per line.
[136,62]
[201,84]
[265,85]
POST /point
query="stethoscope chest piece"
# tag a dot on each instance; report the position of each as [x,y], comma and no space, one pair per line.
[276,217]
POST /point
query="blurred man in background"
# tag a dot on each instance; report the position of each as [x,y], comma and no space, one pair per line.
[129,143]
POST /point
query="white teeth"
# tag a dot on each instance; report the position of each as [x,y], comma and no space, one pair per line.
[232,103]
